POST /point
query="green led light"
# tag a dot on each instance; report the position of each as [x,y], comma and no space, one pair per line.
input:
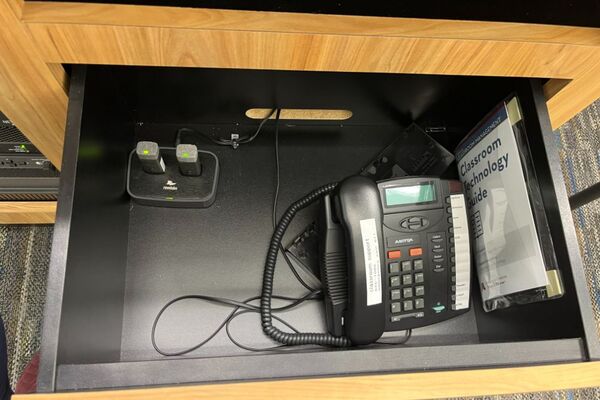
[22,146]
[169,198]
[185,155]
[146,151]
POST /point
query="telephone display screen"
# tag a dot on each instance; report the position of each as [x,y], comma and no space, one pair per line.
[401,195]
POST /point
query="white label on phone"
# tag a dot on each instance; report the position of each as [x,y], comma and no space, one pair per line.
[462,252]
[368,231]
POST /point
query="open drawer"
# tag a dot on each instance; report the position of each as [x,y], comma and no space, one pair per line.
[115,263]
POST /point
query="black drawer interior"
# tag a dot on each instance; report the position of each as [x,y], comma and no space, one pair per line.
[115,263]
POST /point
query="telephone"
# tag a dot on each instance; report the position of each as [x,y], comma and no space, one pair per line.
[395,255]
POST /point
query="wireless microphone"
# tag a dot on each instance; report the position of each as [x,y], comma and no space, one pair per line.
[187,157]
[149,155]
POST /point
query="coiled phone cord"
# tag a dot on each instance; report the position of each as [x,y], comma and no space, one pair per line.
[293,339]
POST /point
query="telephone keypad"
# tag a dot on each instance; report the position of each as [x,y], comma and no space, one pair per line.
[426,284]
[407,271]
[419,278]
[407,280]
[418,264]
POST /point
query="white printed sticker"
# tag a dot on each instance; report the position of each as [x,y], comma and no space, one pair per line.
[462,252]
[368,231]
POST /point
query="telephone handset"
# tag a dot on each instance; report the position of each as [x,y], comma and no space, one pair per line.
[395,255]
[358,206]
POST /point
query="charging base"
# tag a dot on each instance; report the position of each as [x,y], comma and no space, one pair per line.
[172,189]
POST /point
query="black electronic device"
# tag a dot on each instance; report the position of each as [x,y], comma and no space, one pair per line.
[172,188]
[25,173]
[395,255]
[148,154]
[189,162]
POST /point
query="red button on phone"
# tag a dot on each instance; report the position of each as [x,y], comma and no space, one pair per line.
[415,251]
[394,254]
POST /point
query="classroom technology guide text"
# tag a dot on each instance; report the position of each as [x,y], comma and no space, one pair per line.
[506,248]
[472,177]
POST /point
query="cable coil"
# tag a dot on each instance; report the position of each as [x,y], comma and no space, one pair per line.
[293,339]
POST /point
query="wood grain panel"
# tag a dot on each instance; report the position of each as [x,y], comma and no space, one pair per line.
[127,15]
[395,386]
[27,212]
[133,45]
[170,36]
[30,94]
[575,96]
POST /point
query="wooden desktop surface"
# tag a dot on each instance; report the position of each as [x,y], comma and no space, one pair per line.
[36,38]
[422,385]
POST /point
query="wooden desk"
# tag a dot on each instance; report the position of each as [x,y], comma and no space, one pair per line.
[37,37]
[424,385]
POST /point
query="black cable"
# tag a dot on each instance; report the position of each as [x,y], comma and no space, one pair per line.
[321,339]
[275,201]
[228,302]
[277,170]
[224,142]
[249,348]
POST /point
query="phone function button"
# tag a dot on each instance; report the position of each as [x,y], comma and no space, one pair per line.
[418,264]
[414,220]
[419,304]
[419,278]
[407,279]
[395,307]
[419,290]
[394,268]
[451,239]
[440,249]
[407,293]
[449,210]
[452,259]
[407,305]
[450,221]
[395,281]
[415,251]
[438,267]
[437,237]
[451,230]
[405,266]
[448,199]
[394,254]
[397,318]
[451,249]
[438,308]
[395,294]
[438,257]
